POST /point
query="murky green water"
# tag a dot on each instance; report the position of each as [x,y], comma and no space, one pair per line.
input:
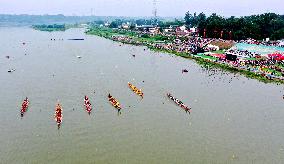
[234,119]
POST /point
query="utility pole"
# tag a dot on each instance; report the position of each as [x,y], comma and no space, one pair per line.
[92,12]
[155,11]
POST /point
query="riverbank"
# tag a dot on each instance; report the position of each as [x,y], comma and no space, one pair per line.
[208,62]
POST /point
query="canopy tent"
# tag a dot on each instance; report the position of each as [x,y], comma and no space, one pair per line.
[276,56]
[280,58]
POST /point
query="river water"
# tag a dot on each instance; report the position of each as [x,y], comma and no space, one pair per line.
[233,119]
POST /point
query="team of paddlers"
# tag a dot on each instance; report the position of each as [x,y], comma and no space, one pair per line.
[87,104]
[136,90]
[25,106]
[114,102]
[179,103]
[58,114]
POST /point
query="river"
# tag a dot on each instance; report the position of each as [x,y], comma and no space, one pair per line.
[233,119]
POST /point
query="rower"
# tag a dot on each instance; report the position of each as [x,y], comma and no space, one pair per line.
[58,110]
[176,100]
[87,101]
[25,104]
[58,114]
[187,110]
[58,119]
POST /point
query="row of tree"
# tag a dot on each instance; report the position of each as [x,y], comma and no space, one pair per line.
[268,25]
[54,27]
[133,22]
[61,26]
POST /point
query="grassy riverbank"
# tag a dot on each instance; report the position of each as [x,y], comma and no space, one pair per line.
[137,39]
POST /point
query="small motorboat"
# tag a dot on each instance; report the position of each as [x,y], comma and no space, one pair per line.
[76,39]
[184,70]
[11,70]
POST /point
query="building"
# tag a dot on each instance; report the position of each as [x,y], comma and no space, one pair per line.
[154,30]
[170,30]
[182,30]
[144,27]
[106,24]
[281,43]
[125,25]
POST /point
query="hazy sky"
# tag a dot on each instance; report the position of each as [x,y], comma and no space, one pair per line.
[140,7]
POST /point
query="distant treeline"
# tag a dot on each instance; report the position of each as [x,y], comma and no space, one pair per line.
[161,22]
[268,25]
[54,27]
[24,19]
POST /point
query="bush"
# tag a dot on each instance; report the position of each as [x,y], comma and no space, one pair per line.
[145,36]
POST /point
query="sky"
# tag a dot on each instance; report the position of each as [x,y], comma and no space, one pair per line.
[165,8]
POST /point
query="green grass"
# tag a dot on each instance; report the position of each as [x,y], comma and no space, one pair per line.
[219,52]
[277,73]
[206,57]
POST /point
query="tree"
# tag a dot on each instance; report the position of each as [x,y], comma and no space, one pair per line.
[99,22]
[188,19]
[279,34]
[255,26]
[194,21]
[140,22]
[215,25]
[201,23]
[132,26]
[161,24]
[113,25]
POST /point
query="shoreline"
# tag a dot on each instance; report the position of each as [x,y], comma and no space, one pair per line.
[205,63]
